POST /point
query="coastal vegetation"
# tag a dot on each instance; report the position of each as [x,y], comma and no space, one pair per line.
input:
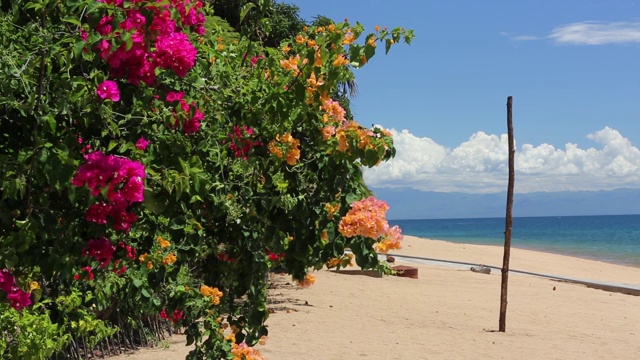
[157,162]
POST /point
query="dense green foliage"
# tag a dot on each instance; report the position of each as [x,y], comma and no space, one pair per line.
[249,165]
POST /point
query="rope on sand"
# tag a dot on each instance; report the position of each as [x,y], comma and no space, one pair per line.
[623,289]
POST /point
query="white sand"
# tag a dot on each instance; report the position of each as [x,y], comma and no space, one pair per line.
[451,312]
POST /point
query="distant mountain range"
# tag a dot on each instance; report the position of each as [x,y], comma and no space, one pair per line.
[408,203]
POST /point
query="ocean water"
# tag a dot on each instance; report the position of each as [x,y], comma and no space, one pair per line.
[614,239]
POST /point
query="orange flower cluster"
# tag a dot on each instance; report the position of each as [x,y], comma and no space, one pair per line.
[371,41]
[367,218]
[313,83]
[390,241]
[213,293]
[307,281]
[245,352]
[357,133]
[163,243]
[331,209]
[346,260]
[291,64]
[340,60]
[348,37]
[333,262]
[286,146]
[169,259]
[328,131]
[333,111]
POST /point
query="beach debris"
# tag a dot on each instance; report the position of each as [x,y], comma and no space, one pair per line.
[406,271]
[481,269]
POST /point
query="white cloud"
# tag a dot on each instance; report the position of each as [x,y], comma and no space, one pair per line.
[480,165]
[525,38]
[597,33]
[590,33]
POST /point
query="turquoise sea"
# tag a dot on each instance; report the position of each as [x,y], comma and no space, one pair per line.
[613,239]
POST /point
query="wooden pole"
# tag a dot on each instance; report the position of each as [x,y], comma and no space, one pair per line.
[502,327]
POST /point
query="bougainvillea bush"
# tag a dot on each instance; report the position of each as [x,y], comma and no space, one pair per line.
[151,168]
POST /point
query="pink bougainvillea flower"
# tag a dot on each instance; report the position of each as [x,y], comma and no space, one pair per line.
[142,143]
[123,179]
[108,89]
[175,52]
[19,299]
[101,249]
[175,96]
[134,20]
[6,280]
[98,213]
[255,59]
[104,47]
[133,190]
[104,25]
[192,125]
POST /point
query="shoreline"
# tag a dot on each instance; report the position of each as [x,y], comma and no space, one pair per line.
[546,250]
[614,240]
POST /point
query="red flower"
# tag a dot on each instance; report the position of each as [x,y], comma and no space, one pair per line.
[89,275]
[177,315]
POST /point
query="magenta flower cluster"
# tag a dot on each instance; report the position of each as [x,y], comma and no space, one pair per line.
[108,90]
[101,249]
[17,298]
[186,114]
[241,141]
[160,44]
[123,180]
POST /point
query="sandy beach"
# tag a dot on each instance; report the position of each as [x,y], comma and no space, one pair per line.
[450,312]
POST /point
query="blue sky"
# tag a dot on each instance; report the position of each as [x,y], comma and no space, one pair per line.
[571,66]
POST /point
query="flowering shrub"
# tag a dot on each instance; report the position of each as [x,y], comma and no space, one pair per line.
[158,169]
[17,298]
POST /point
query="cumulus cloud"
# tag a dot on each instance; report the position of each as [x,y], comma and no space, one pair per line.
[589,33]
[480,165]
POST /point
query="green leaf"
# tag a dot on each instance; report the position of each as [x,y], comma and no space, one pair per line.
[72,21]
[245,10]
[154,204]
[145,293]
[50,121]
[137,282]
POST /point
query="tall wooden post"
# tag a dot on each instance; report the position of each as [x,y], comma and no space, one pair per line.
[508,223]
